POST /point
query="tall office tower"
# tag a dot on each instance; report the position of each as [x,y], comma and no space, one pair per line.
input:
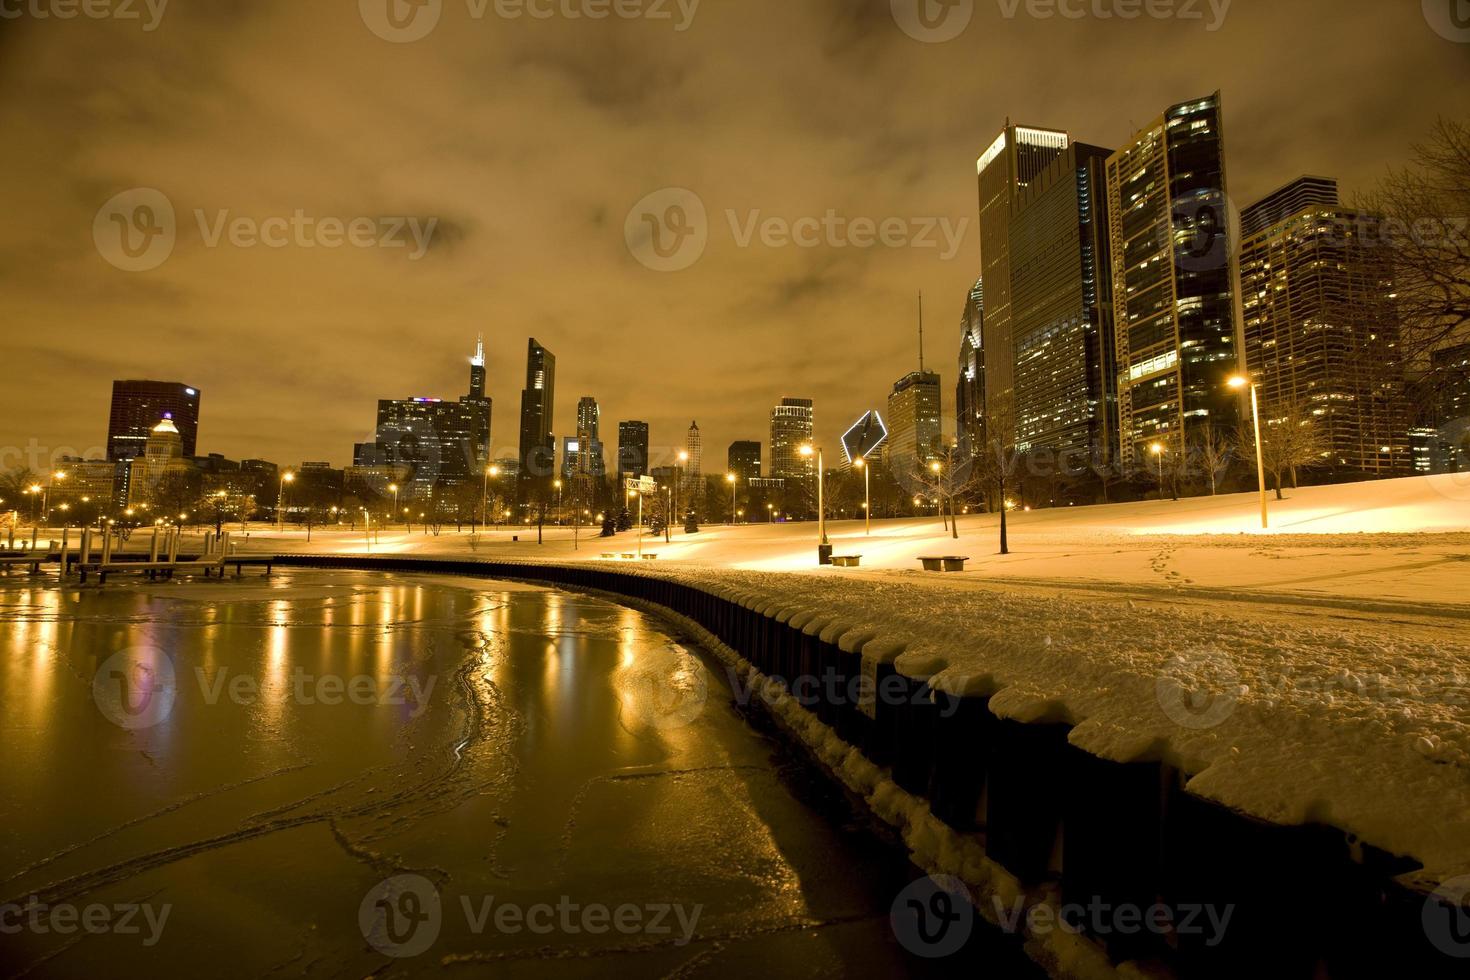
[1445,438]
[138,406]
[632,450]
[1321,330]
[1174,295]
[792,423]
[969,400]
[478,407]
[538,445]
[744,460]
[583,452]
[1062,309]
[914,426]
[693,469]
[1016,157]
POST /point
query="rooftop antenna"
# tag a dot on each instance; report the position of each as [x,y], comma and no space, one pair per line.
[921,331]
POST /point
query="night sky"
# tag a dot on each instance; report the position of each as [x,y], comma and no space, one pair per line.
[527,142]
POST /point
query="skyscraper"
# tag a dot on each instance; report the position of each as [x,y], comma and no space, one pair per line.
[1174,297]
[914,424]
[538,400]
[693,469]
[744,460]
[1016,157]
[1062,309]
[791,428]
[632,450]
[969,401]
[138,406]
[439,443]
[583,453]
[1321,331]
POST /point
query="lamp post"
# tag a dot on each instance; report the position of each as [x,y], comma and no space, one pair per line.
[286,478]
[560,517]
[862,463]
[46,494]
[1238,382]
[485,492]
[1158,450]
[394,488]
[824,548]
[734,482]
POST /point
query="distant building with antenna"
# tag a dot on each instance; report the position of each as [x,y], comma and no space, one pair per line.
[915,426]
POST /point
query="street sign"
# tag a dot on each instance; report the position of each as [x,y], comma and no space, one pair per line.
[641,484]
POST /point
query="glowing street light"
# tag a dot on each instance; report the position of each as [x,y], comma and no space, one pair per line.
[824,548]
[862,463]
[731,479]
[286,478]
[1238,382]
[485,491]
[394,487]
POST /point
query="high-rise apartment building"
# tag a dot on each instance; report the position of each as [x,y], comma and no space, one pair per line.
[1062,309]
[915,428]
[744,460]
[1321,330]
[138,406]
[969,400]
[1174,295]
[693,489]
[792,424]
[1018,155]
[583,453]
[632,450]
[537,444]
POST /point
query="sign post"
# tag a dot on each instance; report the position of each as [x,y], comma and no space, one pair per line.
[641,485]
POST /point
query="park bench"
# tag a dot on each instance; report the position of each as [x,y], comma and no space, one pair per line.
[946,563]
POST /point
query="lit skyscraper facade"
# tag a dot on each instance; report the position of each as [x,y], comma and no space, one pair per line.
[1016,157]
[914,424]
[1174,298]
[138,406]
[537,444]
[969,400]
[583,453]
[1321,330]
[792,424]
[694,469]
[632,450]
[1062,309]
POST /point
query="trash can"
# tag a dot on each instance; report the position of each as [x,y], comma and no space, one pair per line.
[824,554]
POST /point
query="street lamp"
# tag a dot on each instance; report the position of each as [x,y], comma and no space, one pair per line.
[394,487]
[731,479]
[1238,382]
[824,548]
[485,491]
[862,463]
[560,517]
[1158,450]
[286,477]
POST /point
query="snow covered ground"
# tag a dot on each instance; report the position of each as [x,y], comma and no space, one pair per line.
[1319,671]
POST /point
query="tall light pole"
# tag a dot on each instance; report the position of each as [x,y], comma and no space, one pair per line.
[394,487]
[485,492]
[734,482]
[824,546]
[1238,382]
[862,463]
[286,477]
[46,495]
[560,517]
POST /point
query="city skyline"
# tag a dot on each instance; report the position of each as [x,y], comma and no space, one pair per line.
[80,322]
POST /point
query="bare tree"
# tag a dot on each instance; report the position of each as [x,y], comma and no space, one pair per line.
[995,466]
[1215,451]
[1289,443]
[1424,208]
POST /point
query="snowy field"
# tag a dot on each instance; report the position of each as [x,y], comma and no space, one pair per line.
[1316,672]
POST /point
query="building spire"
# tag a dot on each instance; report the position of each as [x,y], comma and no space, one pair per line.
[921,331]
[479,359]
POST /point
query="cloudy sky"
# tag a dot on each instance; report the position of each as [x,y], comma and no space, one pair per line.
[301,146]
